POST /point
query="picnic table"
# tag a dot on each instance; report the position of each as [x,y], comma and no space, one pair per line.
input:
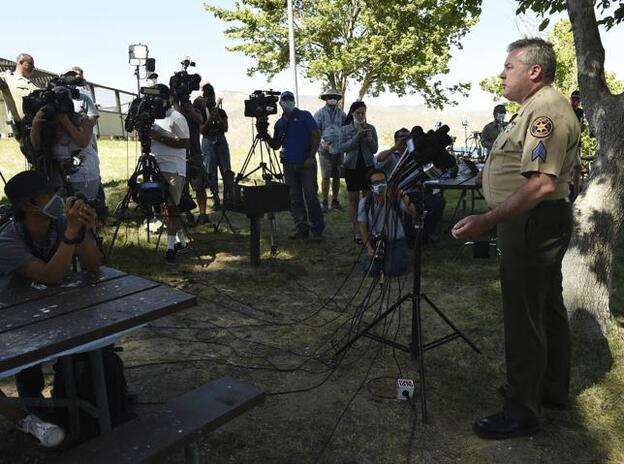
[463,181]
[87,312]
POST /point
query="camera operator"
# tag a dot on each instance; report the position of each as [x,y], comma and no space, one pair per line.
[15,86]
[493,128]
[195,169]
[170,141]
[39,243]
[86,106]
[215,148]
[381,228]
[73,140]
[297,132]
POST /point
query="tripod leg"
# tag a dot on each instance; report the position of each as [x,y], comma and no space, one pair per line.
[450,324]
[122,210]
[418,352]
[272,231]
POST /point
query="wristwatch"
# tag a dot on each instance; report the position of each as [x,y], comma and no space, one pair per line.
[74,241]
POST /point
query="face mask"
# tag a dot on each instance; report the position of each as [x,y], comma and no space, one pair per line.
[151,82]
[54,208]
[332,102]
[359,120]
[500,117]
[287,105]
[379,189]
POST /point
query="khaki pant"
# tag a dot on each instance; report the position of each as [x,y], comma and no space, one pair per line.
[537,335]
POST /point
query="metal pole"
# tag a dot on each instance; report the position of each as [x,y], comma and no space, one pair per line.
[291,46]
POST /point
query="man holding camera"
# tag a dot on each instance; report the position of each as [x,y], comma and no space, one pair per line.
[297,133]
[330,119]
[39,243]
[15,86]
[170,141]
[525,183]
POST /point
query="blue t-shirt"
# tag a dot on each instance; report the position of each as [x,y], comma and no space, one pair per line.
[298,130]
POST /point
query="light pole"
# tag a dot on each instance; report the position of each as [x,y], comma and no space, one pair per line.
[291,46]
[137,56]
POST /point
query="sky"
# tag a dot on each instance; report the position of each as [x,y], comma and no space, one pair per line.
[97,34]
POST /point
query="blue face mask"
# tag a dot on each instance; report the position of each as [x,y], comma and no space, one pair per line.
[54,208]
[287,105]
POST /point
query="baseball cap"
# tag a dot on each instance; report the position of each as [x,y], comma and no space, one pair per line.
[286,95]
[25,185]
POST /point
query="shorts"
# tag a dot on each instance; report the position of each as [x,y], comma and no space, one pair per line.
[356,179]
[330,164]
[176,185]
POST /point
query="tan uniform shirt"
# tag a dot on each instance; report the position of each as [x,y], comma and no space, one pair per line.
[14,88]
[541,137]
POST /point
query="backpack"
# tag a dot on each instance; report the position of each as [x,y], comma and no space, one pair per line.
[116,388]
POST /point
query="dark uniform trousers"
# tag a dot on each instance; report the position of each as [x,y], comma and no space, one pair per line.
[537,335]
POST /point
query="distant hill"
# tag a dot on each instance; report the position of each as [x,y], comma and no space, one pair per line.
[386,119]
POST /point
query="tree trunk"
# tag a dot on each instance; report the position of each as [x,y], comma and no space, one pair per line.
[588,265]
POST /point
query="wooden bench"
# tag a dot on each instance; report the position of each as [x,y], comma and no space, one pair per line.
[180,422]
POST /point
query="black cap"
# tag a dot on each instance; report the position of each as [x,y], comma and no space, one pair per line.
[24,186]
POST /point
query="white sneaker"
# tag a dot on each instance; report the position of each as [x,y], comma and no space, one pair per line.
[49,434]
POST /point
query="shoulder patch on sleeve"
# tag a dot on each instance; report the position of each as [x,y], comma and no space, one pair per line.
[539,152]
[541,127]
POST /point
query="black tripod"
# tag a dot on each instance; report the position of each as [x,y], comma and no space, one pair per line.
[271,171]
[147,167]
[417,348]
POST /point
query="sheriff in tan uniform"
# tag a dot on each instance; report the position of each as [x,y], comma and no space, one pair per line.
[541,137]
[525,183]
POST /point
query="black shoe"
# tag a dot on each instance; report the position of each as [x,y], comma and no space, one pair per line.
[182,249]
[170,256]
[300,234]
[324,207]
[203,219]
[336,205]
[317,237]
[500,427]
[190,219]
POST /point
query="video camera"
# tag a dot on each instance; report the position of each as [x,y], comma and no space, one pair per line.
[182,83]
[260,105]
[55,99]
[151,105]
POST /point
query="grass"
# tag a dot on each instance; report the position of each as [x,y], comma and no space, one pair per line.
[251,321]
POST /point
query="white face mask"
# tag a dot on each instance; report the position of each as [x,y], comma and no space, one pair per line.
[332,102]
[500,117]
[359,119]
[151,82]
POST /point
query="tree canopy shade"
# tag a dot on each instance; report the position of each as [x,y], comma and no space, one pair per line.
[377,45]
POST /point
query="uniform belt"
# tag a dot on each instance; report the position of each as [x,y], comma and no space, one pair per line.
[553,203]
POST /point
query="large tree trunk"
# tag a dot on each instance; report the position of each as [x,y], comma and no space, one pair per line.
[588,265]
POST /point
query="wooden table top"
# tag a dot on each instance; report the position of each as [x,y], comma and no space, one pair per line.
[36,324]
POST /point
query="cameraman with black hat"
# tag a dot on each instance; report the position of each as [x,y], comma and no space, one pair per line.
[38,245]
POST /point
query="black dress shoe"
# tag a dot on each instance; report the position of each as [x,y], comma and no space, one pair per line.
[500,427]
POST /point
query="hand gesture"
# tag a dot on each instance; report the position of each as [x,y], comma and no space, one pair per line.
[471,227]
